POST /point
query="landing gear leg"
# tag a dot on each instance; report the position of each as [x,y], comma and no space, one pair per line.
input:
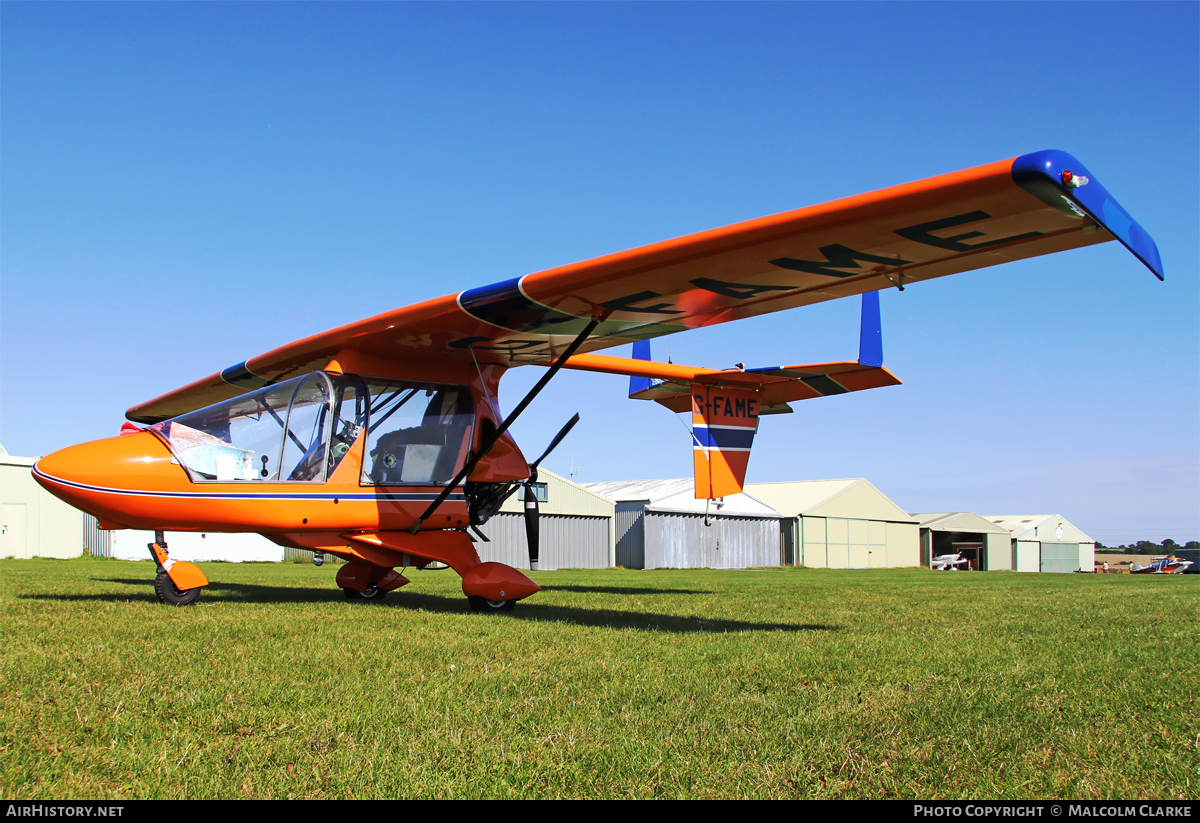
[174,573]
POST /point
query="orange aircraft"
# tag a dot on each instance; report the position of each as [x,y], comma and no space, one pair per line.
[382,443]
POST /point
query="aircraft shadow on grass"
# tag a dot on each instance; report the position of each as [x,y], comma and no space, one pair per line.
[526,611]
[622,590]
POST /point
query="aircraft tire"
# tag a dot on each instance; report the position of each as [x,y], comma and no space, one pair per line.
[481,604]
[167,593]
[372,593]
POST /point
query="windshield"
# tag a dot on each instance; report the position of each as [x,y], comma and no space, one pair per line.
[280,433]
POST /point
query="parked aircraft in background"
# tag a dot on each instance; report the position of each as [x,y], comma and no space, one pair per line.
[1163,565]
[948,562]
[382,442]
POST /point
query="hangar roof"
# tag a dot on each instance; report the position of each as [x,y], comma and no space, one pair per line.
[652,490]
[1043,527]
[564,496]
[679,494]
[959,522]
[854,498]
[12,460]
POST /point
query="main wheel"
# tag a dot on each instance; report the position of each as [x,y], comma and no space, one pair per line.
[373,593]
[165,589]
[482,604]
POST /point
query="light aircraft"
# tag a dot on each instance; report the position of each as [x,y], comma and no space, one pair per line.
[381,442]
[947,562]
[1163,565]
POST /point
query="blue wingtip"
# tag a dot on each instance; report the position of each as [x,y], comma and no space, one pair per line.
[1041,174]
[641,351]
[870,334]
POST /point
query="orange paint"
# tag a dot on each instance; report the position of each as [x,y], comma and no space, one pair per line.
[496,582]
[724,421]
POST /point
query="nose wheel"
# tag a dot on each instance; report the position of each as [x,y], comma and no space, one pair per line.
[167,593]
[482,604]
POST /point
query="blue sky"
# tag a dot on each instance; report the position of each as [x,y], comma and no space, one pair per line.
[188,185]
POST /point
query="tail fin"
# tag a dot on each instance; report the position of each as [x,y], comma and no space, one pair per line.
[724,422]
[641,351]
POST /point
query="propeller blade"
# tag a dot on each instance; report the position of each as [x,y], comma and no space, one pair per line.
[532,515]
[557,439]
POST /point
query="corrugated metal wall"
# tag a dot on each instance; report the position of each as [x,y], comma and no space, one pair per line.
[95,542]
[567,542]
[788,538]
[675,540]
[290,554]
[629,521]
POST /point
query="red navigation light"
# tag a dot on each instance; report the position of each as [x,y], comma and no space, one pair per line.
[1073,181]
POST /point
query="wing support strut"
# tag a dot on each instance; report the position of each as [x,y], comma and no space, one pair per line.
[503,427]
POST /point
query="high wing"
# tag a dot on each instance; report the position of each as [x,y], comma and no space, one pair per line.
[1009,210]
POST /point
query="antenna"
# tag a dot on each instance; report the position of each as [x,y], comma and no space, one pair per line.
[574,468]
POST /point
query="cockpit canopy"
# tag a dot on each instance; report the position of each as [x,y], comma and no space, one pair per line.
[415,433]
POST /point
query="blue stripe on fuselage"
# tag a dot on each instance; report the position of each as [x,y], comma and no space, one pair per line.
[354,496]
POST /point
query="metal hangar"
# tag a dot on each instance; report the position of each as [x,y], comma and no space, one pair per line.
[985,546]
[1047,543]
[841,524]
[576,527]
[661,525]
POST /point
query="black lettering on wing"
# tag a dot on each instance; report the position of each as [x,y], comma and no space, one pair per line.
[837,257]
[624,304]
[739,291]
[499,345]
[921,233]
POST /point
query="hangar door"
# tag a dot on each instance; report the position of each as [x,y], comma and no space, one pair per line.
[843,543]
[680,540]
[1060,557]
[12,531]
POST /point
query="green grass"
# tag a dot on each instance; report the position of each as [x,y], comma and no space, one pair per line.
[613,683]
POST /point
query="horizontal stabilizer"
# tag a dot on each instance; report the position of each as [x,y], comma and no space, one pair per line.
[779,384]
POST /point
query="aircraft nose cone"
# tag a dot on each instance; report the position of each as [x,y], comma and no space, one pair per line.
[90,476]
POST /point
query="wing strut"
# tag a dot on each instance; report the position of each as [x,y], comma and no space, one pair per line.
[503,427]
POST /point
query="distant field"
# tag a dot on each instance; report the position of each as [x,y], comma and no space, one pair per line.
[773,683]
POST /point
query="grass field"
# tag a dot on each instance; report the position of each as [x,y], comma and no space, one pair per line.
[613,683]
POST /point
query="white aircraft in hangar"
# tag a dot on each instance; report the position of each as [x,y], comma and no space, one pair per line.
[947,562]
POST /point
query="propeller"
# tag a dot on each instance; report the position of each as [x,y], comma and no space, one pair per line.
[532,512]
